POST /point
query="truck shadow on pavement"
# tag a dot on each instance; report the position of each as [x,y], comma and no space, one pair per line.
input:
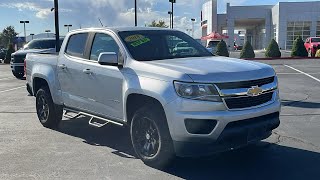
[301,104]
[261,161]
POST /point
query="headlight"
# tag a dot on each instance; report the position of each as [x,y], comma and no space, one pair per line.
[204,92]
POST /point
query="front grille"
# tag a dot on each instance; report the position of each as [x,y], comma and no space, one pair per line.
[245,84]
[18,58]
[247,102]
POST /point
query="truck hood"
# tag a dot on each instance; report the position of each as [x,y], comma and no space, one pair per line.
[216,69]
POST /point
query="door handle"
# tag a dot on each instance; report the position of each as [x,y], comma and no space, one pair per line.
[87,71]
[62,66]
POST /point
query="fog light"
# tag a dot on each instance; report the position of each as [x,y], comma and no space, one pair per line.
[200,126]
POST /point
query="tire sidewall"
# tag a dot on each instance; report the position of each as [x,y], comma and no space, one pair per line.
[55,116]
[165,152]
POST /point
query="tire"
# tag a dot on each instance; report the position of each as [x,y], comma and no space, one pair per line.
[18,75]
[310,54]
[49,114]
[151,138]
[29,90]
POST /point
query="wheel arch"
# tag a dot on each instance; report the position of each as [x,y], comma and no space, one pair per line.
[135,101]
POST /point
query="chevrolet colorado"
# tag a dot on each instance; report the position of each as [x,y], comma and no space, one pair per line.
[176,103]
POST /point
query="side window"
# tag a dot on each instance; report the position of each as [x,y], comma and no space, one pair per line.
[103,43]
[77,44]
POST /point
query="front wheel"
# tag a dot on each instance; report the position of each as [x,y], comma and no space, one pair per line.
[48,113]
[18,75]
[151,138]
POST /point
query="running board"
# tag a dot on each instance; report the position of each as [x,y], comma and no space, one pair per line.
[93,119]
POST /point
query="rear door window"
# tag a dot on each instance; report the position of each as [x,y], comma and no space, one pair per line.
[77,44]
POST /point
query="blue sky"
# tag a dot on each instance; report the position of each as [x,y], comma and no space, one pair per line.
[85,13]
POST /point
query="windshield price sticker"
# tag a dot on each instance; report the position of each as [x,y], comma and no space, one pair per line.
[134,38]
[140,42]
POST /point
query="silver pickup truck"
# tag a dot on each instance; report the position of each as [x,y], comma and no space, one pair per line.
[176,103]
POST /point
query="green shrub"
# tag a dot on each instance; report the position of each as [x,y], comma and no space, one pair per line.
[298,49]
[318,53]
[247,51]
[273,49]
[222,49]
[8,55]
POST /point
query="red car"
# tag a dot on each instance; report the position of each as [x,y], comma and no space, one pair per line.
[312,44]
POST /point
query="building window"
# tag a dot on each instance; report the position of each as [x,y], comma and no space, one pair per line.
[297,28]
[318,29]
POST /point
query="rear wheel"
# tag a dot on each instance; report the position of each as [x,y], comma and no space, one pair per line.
[310,54]
[151,138]
[48,113]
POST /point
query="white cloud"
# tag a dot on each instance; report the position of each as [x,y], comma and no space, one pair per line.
[39,10]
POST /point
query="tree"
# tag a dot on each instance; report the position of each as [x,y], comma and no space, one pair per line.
[7,36]
[298,49]
[222,49]
[273,49]
[161,24]
[9,52]
[247,51]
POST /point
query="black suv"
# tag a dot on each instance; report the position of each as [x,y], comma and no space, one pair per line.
[47,45]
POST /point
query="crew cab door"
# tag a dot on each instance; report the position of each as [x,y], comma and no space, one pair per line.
[103,83]
[69,71]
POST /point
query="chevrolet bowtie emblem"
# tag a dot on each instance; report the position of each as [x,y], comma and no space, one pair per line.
[254,91]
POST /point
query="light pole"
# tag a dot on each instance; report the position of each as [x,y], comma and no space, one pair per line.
[68,26]
[56,20]
[193,20]
[31,36]
[172,2]
[135,14]
[24,27]
[170,13]
[47,31]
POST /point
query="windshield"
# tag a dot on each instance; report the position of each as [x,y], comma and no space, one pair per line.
[315,40]
[152,45]
[42,44]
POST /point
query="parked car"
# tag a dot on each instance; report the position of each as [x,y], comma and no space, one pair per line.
[3,53]
[182,47]
[212,45]
[46,45]
[175,104]
[312,44]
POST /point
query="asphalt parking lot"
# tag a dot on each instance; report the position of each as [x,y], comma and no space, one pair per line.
[78,151]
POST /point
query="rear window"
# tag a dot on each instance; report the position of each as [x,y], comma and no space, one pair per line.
[315,40]
[77,44]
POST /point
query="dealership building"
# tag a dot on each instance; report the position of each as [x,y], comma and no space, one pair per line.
[259,24]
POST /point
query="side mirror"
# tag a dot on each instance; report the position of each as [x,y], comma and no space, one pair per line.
[108,58]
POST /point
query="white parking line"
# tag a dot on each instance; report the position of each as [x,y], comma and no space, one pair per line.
[6,78]
[297,73]
[12,89]
[312,77]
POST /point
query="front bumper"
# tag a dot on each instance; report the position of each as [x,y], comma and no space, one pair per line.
[188,144]
[17,67]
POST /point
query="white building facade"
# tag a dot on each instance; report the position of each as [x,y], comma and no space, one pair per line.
[259,24]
